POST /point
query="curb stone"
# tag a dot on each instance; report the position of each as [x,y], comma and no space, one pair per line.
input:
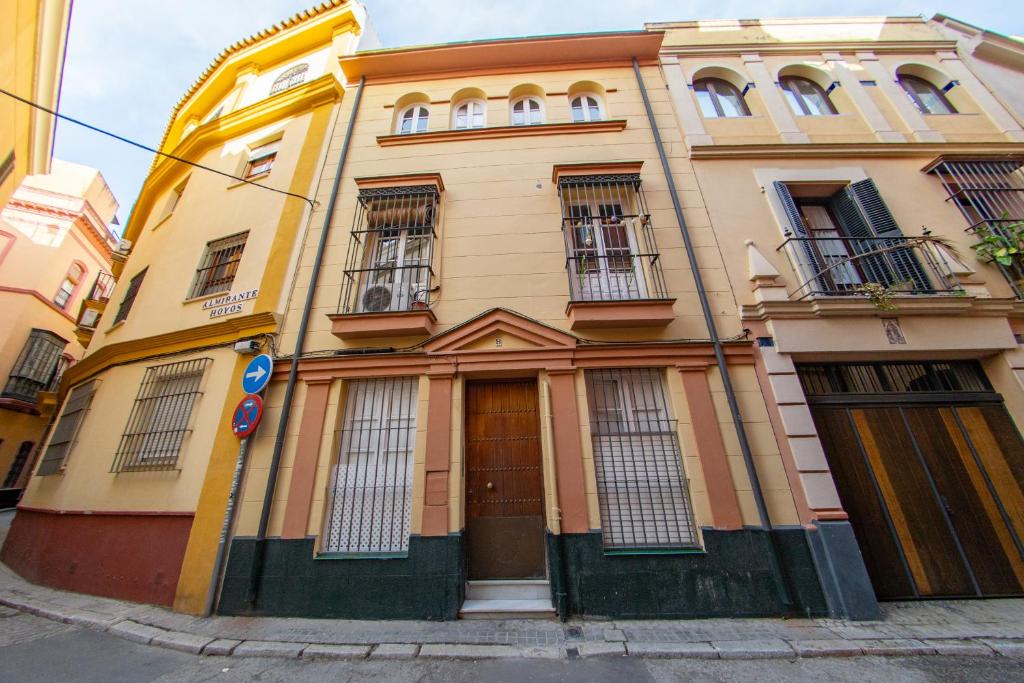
[221,647]
[955,647]
[134,631]
[895,647]
[838,647]
[436,651]
[691,650]
[599,649]
[394,651]
[1007,648]
[183,642]
[269,648]
[324,651]
[753,649]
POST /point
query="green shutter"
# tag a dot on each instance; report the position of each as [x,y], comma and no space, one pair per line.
[64,433]
[896,266]
[806,251]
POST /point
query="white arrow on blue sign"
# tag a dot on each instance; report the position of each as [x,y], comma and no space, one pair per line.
[257,374]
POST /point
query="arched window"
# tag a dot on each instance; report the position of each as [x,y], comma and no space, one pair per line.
[719,98]
[527,112]
[290,78]
[586,108]
[413,120]
[806,97]
[69,284]
[926,97]
[469,114]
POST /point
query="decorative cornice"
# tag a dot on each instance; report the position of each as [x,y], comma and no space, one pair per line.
[838,307]
[815,48]
[852,149]
[38,295]
[561,171]
[405,181]
[612,126]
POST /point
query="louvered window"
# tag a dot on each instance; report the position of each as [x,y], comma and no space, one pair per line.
[129,297]
[17,465]
[64,434]
[36,366]
[217,270]
[160,419]
[371,483]
[642,494]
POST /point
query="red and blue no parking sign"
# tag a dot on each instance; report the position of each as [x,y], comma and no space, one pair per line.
[247,416]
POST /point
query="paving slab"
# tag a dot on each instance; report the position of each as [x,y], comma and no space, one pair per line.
[269,648]
[439,651]
[183,642]
[331,651]
[221,647]
[614,635]
[134,631]
[897,647]
[394,651]
[96,622]
[1005,647]
[836,647]
[959,647]
[688,650]
[753,649]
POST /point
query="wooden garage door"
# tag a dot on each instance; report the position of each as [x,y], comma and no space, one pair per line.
[933,486]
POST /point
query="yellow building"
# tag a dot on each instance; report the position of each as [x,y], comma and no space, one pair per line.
[33,36]
[142,451]
[55,253]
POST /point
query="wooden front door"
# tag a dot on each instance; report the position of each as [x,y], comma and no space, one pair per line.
[504,487]
[934,494]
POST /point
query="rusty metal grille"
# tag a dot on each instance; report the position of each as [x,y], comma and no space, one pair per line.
[134,285]
[36,367]
[160,419]
[610,250]
[820,379]
[371,483]
[990,195]
[642,494]
[217,270]
[388,267]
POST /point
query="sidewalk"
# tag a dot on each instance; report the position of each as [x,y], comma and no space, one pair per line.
[975,627]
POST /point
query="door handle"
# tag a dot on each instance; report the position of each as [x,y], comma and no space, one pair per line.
[490,486]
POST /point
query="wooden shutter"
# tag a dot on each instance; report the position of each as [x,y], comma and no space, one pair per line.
[810,260]
[67,428]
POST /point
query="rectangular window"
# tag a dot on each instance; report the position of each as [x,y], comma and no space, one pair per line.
[175,198]
[642,494]
[160,418]
[64,434]
[36,366]
[371,484]
[217,270]
[129,297]
[261,159]
[17,465]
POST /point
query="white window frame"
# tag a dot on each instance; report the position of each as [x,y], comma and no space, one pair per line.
[587,115]
[416,119]
[606,276]
[470,114]
[263,154]
[526,112]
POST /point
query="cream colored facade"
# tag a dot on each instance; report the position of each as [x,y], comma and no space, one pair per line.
[54,235]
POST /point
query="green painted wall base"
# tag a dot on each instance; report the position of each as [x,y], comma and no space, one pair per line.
[428,583]
[736,576]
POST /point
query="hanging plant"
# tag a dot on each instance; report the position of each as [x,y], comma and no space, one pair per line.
[881,296]
[1003,245]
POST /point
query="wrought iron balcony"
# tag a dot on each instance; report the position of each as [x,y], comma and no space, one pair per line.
[846,266]
[386,289]
[102,287]
[609,276]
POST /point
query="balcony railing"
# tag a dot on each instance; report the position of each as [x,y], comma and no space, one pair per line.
[102,287]
[843,266]
[619,277]
[386,290]
[1007,228]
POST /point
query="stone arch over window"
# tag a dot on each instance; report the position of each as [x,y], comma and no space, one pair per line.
[807,88]
[527,105]
[70,285]
[720,92]
[587,101]
[412,113]
[931,90]
[725,73]
[290,78]
[469,109]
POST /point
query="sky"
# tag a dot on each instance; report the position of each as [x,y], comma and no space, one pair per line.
[128,63]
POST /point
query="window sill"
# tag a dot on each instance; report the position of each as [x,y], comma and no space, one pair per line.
[362,556]
[587,315]
[386,324]
[608,126]
[248,181]
[683,550]
[119,323]
[162,220]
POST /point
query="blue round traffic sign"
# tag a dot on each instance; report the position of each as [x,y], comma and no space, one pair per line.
[257,374]
[247,416]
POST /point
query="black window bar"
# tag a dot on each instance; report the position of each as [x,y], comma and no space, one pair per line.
[611,254]
[371,482]
[990,195]
[101,288]
[37,365]
[160,418]
[217,270]
[643,495]
[388,267]
[909,377]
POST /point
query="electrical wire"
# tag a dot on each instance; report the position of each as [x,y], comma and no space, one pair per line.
[312,202]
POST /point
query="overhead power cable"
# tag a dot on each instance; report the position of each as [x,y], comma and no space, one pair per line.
[312,202]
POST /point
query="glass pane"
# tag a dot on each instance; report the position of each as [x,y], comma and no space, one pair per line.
[707,105]
[518,113]
[577,111]
[534,111]
[594,110]
[794,102]
[730,100]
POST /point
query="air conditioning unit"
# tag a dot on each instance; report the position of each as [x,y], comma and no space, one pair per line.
[124,246]
[377,298]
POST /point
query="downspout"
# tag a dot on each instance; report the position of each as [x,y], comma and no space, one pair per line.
[293,372]
[716,342]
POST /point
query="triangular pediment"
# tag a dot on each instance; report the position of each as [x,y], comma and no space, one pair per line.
[500,329]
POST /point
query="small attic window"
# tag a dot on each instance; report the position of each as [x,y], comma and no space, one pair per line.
[289,79]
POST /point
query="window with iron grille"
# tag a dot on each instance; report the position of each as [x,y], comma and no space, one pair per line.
[610,250]
[371,483]
[160,418]
[642,494]
[990,195]
[217,269]
[289,78]
[64,434]
[14,473]
[36,366]
[819,379]
[129,297]
[388,267]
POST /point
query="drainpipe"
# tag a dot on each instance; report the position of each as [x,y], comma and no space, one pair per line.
[709,320]
[293,372]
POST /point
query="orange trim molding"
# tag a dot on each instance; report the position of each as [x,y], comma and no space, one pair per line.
[438,455]
[307,454]
[391,324]
[612,126]
[587,168]
[585,315]
[404,180]
[38,295]
[572,496]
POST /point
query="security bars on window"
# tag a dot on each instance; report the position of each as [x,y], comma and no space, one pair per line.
[610,250]
[36,366]
[388,265]
[217,270]
[160,418]
[371,484]
[642,495]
